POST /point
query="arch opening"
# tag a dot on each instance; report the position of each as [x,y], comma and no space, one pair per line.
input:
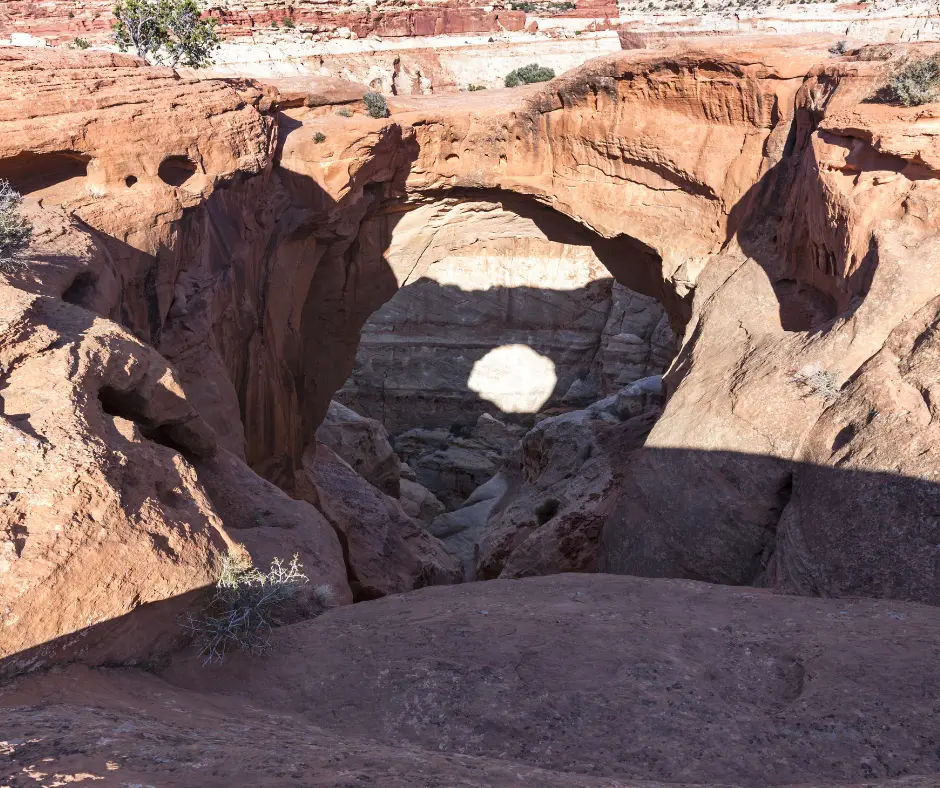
[461,323]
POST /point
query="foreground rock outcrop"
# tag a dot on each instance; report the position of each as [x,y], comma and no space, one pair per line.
[574,680]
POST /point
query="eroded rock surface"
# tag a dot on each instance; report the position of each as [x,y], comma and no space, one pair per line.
[203,267]
[617,677]
[386,551]
[364,444]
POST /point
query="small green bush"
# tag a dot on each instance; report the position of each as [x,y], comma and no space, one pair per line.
[289,23]
[375,105]
[82,43]
[274,23]
[529,74]
[246,606]
[345,112]
[913,82]
[318,137]
[471,87]
[15,230]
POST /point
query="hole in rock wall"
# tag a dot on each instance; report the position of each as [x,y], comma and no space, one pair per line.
[34,172]
[499,312]
[82,289]
[128,405]
[130,180]
[176,170]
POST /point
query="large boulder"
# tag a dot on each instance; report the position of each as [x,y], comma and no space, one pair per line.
[418,501]
[561,488]
[364,444]
[103,514]
[386,551]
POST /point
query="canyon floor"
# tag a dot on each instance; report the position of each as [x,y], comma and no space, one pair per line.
[602,415]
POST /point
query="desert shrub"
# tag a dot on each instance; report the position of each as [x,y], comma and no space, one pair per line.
[817,381]
[839,48]
[344,112]
[376,105]
[246,606]
[82,43]
[274,23]
[318,137]
[529,74]
[471,87]
[289,24]
[15,229]
[913,82]
[167,32]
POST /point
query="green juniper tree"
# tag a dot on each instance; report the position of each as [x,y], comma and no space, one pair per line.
[15,230]
[166,32]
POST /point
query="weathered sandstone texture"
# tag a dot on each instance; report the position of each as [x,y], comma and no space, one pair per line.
[201,271]
[477,279]
[363,444]
[617,678]
[203,268]
[386,551]
[573,681]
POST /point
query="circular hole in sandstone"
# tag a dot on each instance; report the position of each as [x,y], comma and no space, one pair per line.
[130,180]
[176,170]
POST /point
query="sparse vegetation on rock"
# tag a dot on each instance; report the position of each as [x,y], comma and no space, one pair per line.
[376,105]
[246,606]
[82,43]
[913,82]
[318,137]
[15,229]
[471,87]
[345,112]
[817,381]
[839,48]
[529,74]
[166,32]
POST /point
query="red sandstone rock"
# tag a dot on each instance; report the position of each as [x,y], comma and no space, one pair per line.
[252,259]
[616,677]
[386,551]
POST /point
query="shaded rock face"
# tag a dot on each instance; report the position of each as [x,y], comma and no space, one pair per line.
[386,551]
[573,681]
[616,677]
[364,445]
[478,279]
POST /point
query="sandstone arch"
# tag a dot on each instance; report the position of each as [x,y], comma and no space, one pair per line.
[755,169]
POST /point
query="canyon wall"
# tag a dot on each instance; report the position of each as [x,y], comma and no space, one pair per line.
[204,264]
[479,278]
